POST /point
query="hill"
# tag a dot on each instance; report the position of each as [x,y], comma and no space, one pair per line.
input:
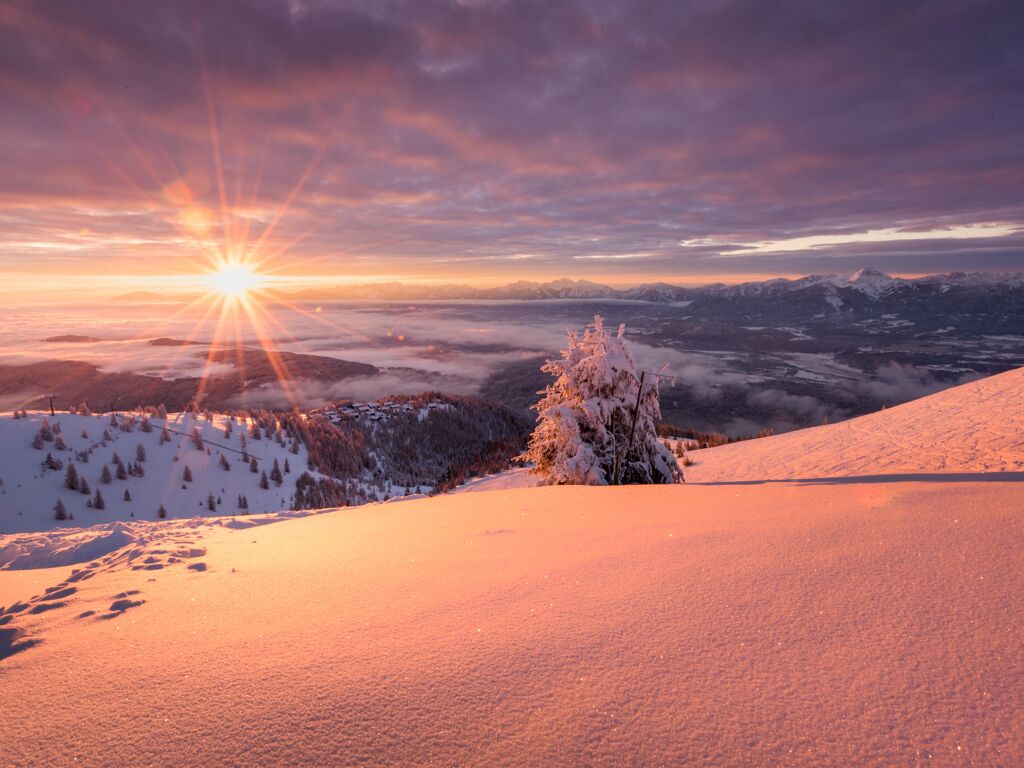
[859,620]
[29,489]
[974,428]
[249,377]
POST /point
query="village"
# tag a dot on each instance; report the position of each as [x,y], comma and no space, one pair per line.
[381,410]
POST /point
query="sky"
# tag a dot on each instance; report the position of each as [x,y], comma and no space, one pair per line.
[481,141]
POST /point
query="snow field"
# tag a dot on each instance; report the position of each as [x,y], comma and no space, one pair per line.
[29,491]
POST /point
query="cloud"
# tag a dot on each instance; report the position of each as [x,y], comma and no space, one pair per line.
[896,383]
[438,136]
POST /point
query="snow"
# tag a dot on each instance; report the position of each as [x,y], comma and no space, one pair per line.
[519,477]
[28,492]
[974,428]
[867,620]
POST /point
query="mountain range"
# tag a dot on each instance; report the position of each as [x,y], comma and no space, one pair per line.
[968,301]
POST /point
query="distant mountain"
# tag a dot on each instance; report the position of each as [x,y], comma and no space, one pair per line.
[245,377]
[970,301]
[71,338]
[557,289]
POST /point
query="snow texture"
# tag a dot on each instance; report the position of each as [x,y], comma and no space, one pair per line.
[862,621]
[963,431]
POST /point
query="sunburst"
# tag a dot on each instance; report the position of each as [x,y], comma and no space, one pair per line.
[234,280]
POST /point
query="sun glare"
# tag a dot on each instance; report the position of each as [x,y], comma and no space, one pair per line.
[234,280]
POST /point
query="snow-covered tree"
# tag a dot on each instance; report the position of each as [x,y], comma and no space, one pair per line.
[105,476]
[59,512]
[585,417]
[71,478]
[186,476]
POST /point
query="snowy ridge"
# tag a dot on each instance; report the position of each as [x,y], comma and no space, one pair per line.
[973,428]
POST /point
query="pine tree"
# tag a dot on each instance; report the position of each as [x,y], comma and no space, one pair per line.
[71,477]
[586,416]
[197,439]
[121,473]
[165,436]
[224,463]
[287,467]
[59,512]
[211,503]
[105,477]
[83,486]
[140,452]
[187,474]
[161,513]
[253,466]
[264,483]
[127,495]
[275,474]
[97,501]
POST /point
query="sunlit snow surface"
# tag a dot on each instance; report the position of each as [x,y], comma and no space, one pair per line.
[857,622]
[973,429]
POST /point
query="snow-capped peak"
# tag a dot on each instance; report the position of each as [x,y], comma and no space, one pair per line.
[869,281]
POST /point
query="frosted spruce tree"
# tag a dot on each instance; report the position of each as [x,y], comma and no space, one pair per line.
[585,417]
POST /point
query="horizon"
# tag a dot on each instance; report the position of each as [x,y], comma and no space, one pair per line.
[198,287]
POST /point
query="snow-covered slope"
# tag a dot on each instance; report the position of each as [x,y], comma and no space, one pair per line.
[686,625]
[866,621]
[29,491]
[976,427]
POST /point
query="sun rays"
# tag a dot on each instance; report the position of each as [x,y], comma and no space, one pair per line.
[234,280]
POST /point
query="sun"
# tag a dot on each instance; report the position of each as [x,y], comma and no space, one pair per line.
[234,280]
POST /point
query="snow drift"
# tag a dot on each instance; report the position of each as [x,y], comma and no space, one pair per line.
[862,622]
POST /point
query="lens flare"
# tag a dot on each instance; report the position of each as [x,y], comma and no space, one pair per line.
[234,280]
